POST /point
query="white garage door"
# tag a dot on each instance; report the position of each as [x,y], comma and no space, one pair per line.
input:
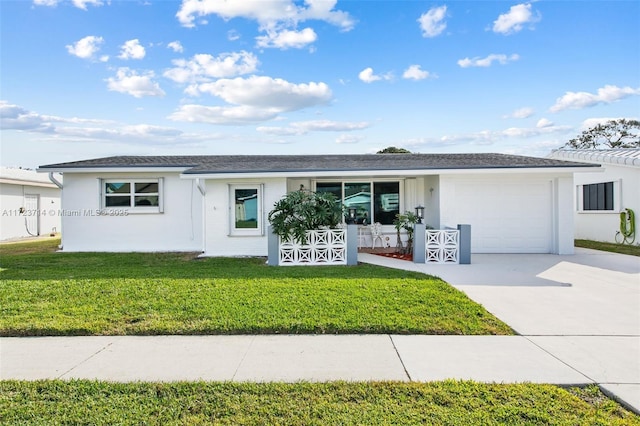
[506,216]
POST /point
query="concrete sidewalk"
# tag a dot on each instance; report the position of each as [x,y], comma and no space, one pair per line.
[578,318]
[285,358]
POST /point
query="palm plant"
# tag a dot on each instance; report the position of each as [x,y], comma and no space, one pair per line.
[406,222]
[299,211]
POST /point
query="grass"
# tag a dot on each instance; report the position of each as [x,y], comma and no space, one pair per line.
[633,250]
[47,293]
[373,403]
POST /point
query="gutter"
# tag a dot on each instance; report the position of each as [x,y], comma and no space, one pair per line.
[200,187]
[55,181]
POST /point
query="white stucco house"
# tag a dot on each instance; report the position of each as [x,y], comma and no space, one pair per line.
[218,205]
[29,204]
[600,196]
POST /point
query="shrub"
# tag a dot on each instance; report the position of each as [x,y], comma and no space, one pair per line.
[300,211]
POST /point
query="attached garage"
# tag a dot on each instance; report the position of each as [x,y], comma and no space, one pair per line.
[506,214]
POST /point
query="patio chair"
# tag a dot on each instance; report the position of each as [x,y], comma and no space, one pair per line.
[376,234]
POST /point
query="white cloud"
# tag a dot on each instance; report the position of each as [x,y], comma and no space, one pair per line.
[331,126]
[304,127]
[414,72]
[592,122]
[86,47]
[543,122]
[349,139]
[80,4]
[513,21]
[279,131]
[268,13]
[267,92]
[233,35]
[13,117]
[176,46]
[432,22]
[524,112]
[223,115]
[49,3]
[203,67]
[252,99]
[486,62]
[527,132]
[137,85]
[605,95]
[132,49]
[287,39]
[368,76]
[489,137]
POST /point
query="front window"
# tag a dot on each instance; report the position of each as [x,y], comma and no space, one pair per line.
[247,210]
[597,196]
[373,201]
[246,202]
[143,195]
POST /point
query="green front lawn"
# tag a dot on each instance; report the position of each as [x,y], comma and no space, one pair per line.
[633,250]
[48,293]
[337,403]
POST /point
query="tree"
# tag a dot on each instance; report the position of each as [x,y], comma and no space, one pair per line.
[393,150]
[621,133]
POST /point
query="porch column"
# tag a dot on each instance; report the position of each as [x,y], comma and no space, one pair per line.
[419,243]
[352,244]
[464,247]
[273,247]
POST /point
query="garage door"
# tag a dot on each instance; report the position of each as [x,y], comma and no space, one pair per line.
[506,216]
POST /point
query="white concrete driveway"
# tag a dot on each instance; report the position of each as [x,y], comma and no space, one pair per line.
[582,309]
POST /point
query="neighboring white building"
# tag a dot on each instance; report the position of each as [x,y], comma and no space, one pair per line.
[219,205]
[29,204]
[599,197]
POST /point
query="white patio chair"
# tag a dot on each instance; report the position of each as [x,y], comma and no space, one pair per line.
[376,234]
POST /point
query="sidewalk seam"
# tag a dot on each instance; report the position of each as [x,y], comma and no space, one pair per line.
[404,367]
[85,360]
[233,377]
[562,361]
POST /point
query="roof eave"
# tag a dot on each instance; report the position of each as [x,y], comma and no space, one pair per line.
[114,169]
[23,182]
[388,173]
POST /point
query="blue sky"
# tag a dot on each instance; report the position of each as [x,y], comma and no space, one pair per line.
[90,78]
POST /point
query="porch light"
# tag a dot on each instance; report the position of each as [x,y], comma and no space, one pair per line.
[420,213]
[352,215]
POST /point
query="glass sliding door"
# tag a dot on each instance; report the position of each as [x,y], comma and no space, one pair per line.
[358,195]
[386,201]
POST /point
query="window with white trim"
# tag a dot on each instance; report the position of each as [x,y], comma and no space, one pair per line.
[246,209]
[134,195]
[599,197]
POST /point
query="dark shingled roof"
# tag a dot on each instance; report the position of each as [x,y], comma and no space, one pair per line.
[203,164]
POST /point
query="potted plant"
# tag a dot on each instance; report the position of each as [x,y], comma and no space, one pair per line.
[300,211]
